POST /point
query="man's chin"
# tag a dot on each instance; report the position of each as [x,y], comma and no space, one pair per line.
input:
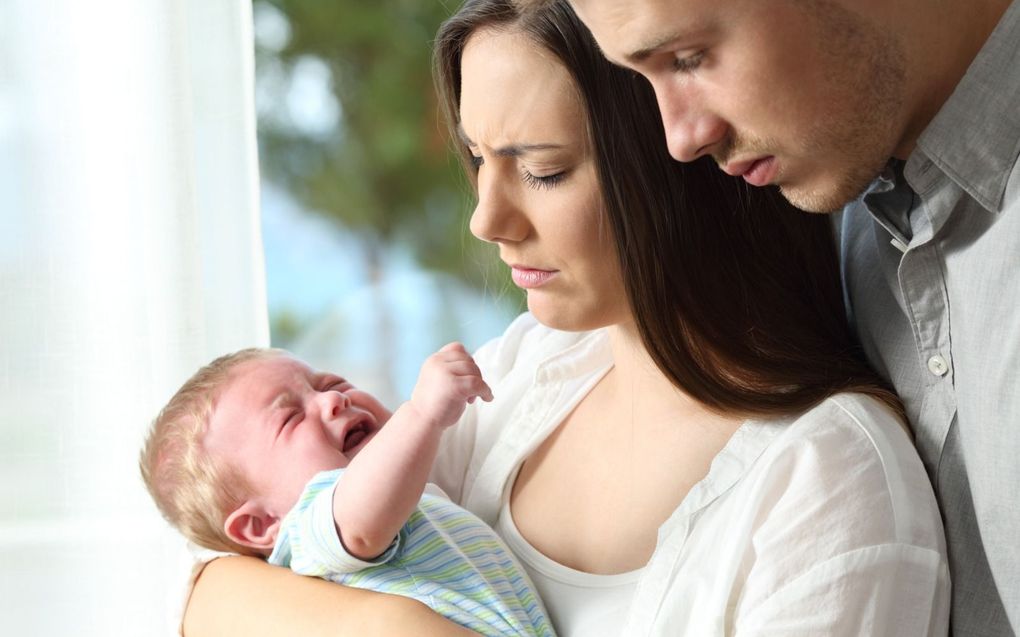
[822,200]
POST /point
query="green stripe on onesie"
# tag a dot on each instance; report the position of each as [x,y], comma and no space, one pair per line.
[443,556]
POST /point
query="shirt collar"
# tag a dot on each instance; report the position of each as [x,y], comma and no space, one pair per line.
[590,354]
[975,137]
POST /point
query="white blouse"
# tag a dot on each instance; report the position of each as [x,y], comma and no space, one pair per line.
[586,605]
[821,524]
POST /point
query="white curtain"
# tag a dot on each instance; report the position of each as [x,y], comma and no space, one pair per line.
[130,254]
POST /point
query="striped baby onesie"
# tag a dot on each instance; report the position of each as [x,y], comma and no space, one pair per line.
[443,556]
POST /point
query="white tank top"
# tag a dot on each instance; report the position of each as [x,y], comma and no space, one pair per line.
[579,604]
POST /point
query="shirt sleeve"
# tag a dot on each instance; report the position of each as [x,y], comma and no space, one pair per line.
[309,543]
[891,589]
[848,539]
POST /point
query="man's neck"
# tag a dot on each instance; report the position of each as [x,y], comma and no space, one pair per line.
[943,40]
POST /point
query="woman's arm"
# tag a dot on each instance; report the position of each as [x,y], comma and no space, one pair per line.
[246,596]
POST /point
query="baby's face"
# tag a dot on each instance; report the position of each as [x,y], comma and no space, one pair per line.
[279,422]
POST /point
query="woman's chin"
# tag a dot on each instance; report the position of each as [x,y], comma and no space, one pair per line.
[568,317]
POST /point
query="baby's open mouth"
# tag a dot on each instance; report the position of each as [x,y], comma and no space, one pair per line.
[355,436]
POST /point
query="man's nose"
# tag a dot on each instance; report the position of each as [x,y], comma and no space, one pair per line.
[692,131]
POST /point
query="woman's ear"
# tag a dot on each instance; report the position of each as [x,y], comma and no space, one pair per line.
[252,526]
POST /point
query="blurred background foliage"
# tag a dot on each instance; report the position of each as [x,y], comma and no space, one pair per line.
[373,153]
[370,264]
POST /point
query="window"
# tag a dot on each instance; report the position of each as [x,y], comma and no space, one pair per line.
[370,267]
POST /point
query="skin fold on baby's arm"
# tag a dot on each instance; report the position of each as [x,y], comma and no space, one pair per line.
[383,484]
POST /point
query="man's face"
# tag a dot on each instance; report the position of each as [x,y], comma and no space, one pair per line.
[807,95]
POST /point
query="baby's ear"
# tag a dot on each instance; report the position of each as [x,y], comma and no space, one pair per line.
[252,526]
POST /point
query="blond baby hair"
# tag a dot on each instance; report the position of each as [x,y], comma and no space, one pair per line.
[194,493]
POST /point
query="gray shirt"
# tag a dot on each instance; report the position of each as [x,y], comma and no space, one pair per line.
[931,264]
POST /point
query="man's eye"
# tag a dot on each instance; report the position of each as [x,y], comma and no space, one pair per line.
[688,63]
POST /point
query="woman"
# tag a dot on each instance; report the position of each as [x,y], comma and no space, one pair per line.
[683,438]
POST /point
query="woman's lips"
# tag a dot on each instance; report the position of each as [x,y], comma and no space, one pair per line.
[530,278]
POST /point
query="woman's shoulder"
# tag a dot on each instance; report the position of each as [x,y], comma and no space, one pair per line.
[857,423]
[851,454]
[836,511]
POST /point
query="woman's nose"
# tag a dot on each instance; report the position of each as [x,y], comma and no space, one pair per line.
[498,217]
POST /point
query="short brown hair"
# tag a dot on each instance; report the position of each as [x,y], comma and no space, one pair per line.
[194,492]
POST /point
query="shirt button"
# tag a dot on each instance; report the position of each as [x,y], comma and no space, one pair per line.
[938,365]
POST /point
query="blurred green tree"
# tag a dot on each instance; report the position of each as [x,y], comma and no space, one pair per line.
[350,128]
[383,166]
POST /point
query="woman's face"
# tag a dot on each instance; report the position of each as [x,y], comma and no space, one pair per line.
[538,194]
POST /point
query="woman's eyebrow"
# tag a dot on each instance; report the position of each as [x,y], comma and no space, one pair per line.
[463,136]
[515,150]
[512,150]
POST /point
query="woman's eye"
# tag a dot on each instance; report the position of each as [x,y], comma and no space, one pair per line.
[477,161]
[542,181]
[688,63]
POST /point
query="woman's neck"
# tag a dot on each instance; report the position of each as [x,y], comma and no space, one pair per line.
[635,375]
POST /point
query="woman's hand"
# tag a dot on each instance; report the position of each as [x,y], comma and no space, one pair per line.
[246,596]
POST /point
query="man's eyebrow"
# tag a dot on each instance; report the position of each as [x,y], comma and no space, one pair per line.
[652,46]
[656,43]
[513,150]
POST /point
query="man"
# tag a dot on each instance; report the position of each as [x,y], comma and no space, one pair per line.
[906,115]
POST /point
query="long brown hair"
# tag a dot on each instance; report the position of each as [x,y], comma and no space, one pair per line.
[736,294]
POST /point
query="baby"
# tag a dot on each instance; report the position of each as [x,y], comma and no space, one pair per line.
[259,454]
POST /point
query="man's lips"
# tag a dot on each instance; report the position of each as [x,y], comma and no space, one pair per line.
[757,172]
[530,278]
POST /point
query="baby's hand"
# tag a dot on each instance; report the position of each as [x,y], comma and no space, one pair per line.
[448,381]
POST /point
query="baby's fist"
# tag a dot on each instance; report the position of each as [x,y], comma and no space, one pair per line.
[448,381]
